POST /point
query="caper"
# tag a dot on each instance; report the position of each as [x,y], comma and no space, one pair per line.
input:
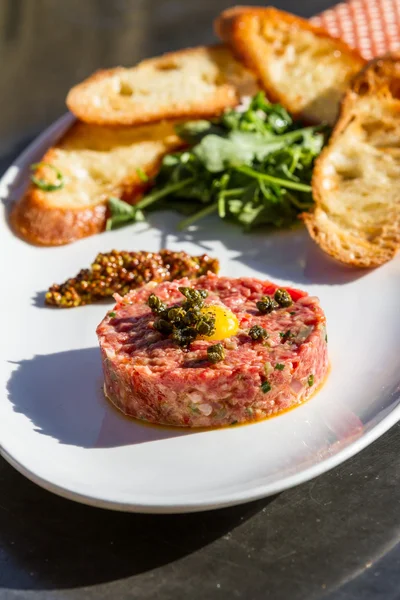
[206,326]
[193,297]
[203,328]
[183,323]
[157,306]
[164,314]
[176,314]
[215,353]
[178,337]
[283,298]
[191,317]
[185,291]
[163,326]
[266,305]
[258,333]
[183,337]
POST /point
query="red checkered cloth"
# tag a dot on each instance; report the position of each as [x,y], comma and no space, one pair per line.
[372,26]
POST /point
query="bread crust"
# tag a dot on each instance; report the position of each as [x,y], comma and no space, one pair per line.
[82,99]
[380,81]
[38,224]
[241,26]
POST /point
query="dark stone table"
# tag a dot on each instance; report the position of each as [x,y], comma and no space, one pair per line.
[336,537]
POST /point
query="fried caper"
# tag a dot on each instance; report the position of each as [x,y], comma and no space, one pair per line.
[215,353]
[266,305]
[163,326]
[157,306]
[283,298]
[183,337]
[258,333]
[184,323]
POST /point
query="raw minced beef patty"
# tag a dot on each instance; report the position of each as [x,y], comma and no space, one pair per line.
[149,377]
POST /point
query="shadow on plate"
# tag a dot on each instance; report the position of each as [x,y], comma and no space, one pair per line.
[57,543]
[62,394]
[38,300]
[286,254]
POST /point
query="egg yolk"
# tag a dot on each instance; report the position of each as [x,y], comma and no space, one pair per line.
[226,323]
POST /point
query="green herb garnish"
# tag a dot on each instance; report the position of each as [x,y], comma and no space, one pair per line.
[252,167]
[266,387]
[215,353]
[285,335]
[112,314]
[142,175]
[279,366]
[44,185]
[310,380]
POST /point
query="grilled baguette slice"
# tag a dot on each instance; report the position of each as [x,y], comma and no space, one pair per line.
[196,82]
[96,162]
[299,65]
[356,181]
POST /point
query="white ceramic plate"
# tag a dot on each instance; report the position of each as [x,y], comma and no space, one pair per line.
[58,430]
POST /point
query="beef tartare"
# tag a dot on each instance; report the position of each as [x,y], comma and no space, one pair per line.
[259,349]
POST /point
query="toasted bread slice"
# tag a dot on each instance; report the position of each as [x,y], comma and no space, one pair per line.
[299,65]
[196,82]
[95,162]
[356,180]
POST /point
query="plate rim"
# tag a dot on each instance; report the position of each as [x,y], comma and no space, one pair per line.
[222,501]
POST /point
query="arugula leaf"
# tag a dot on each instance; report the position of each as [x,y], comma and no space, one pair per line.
[239,148]
[217,153]
[165,191]
[286,183]
[121,213]
[193,132]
